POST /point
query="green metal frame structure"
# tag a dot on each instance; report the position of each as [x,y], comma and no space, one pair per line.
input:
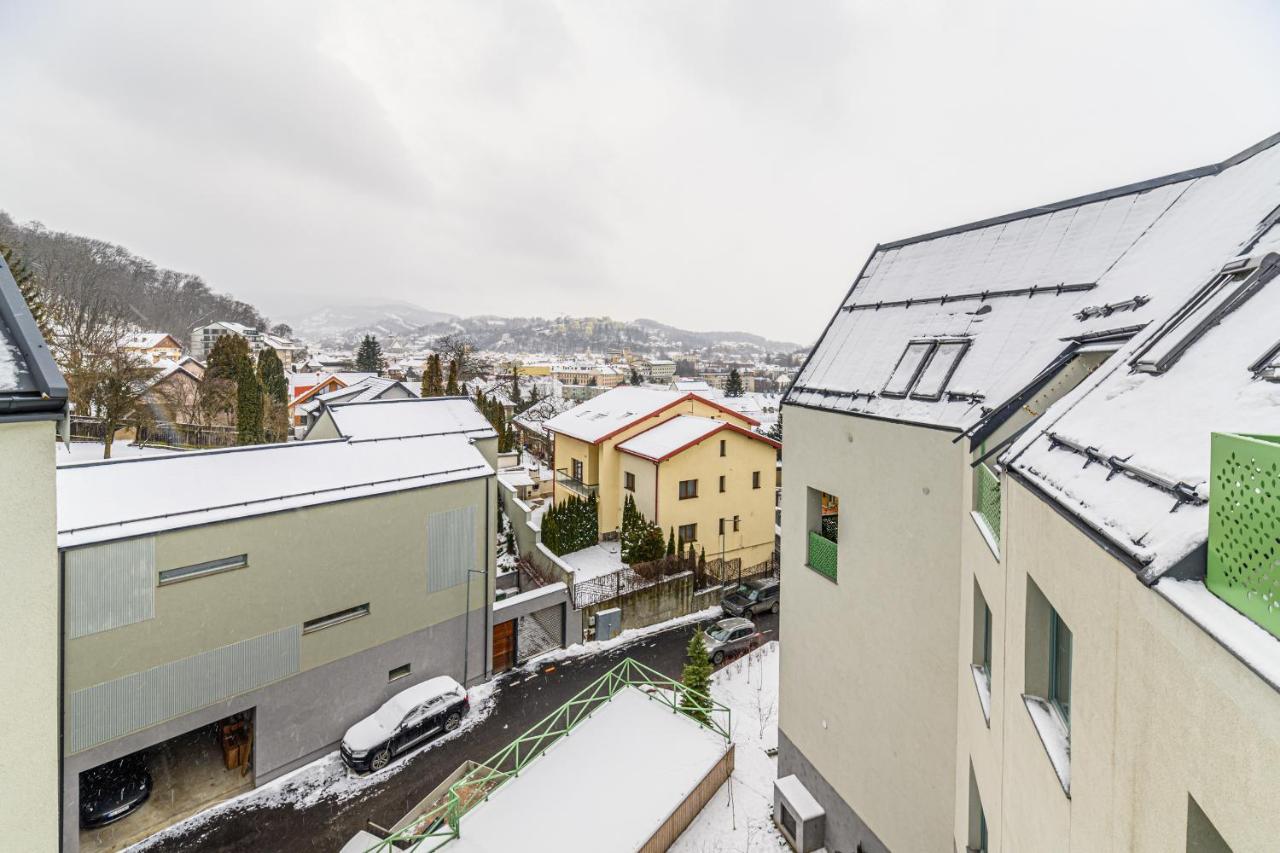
[1244,525]
[987,499]
[441,824]
[822,555]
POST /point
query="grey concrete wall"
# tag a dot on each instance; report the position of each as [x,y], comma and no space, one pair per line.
[302,717]
[670,598]
[845,831]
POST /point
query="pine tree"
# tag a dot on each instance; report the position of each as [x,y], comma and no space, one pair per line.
[26,280]
[671,544]
[271,375]
[515,384]
[369,356]
[432,383]
[696,678]
[451,387]
[635,376]
[225,358]
[692,559]
[775,431]
[733,387]
[248,405]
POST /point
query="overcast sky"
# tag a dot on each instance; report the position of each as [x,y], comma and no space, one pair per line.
[712,164]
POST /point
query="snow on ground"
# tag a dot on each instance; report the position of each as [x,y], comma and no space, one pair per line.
[91,451]
[627,637]
[594,562]
[326,778]
[739,818]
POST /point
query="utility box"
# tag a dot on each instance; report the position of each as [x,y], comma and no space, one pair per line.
[801,818]
[608,623]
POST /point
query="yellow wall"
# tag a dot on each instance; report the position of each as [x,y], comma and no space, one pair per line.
[29,639]
[753,543]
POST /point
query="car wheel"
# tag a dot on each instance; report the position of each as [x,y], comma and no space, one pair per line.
[774,608]
[717,658]
[380,759]
[452,721]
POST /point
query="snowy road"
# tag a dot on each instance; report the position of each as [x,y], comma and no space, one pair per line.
[321,806]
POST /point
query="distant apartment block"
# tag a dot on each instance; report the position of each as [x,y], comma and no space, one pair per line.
[1031,479]
[203,339]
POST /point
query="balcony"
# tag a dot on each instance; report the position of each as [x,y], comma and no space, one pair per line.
[1244,526]
[573,484]
[822,555]
[986,500]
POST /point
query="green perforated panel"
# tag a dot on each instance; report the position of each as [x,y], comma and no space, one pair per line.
[987,499]
[822,555]
[1244,526]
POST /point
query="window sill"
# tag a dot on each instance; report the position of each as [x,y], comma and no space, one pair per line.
[821,574]
[1055,737]
[982,681]
[987,535]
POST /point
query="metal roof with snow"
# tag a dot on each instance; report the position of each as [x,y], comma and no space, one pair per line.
[622,407]
[410,416]
[31,386]
[118,499]
[678,434]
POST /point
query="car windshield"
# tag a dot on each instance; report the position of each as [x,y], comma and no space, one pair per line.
[745,591]
[719,633]
[389,715]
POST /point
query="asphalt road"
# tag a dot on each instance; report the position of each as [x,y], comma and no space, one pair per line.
[521,700]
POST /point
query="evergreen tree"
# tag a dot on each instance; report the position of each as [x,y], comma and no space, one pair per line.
[451,387]
[271,375]
[671,544]
[515,384]
[432,383]
[652,547]
[225,358]
[248,404]
[702,562]
[775,431]
[369,356]
[635,376]
[733,387]
[696,678]
[692,559]
[26,280]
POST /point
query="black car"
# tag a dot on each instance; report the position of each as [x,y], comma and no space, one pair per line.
[404,722]
[761,595]
[112,791]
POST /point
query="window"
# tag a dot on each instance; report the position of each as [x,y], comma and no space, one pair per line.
[722,527]
[755,479]
[575,466]
[629,481]
[977,841]
[723,449]
[688,489]
[722,482]
[1060,666]
[986,503]
[1268,367]
[822,520]
[399,672]
[1202,835]
[688,533]
[335,618]
[937,372]
[200,570]
[737,521]
[1224,294]
[981,660]
[908,368]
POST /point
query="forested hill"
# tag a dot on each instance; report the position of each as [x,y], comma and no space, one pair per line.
[87,285]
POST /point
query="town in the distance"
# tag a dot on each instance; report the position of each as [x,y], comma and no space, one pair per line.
[376,578]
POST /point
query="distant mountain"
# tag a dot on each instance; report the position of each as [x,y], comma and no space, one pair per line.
[697,340]
[335,325]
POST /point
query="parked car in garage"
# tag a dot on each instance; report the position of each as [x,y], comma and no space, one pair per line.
[730,637]
[761,595]
[404,722]
[113,791]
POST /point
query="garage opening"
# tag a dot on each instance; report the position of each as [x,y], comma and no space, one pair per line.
[128,799]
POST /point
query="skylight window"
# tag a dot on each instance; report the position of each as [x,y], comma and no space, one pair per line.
[908,369]
[1268,367]
[1220,297]
[937,372]
[925,368]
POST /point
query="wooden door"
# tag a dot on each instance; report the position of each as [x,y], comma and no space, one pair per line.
[504,646]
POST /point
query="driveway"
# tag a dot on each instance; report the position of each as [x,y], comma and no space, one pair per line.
[324,818]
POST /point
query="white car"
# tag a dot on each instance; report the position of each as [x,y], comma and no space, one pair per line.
[404,722]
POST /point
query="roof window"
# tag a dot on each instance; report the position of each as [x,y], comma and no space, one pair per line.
[925,368]
[1229,290]
[1268,367]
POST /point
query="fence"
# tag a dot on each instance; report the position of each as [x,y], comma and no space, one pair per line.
[176,434]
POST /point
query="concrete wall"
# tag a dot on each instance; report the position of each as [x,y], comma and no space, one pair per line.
[1160,710]
[29,638]
[668,599]
[868,685]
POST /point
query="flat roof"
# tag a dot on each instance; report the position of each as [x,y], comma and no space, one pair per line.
[117,499]
[609,785]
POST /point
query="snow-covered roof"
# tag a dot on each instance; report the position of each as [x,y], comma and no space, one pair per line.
[369,388]
[411,416]
[117,499]
[619,408]
[30,382]
[683,431]
[146,340]
[654,761]
[535,417]
[1003,299]
[691,385]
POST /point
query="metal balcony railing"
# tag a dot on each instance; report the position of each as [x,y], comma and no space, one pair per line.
[573,484]
[1244,525]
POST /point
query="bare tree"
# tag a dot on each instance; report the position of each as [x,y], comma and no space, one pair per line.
[111,383]
[461,349]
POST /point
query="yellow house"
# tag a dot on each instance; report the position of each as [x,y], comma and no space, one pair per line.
[691,464]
